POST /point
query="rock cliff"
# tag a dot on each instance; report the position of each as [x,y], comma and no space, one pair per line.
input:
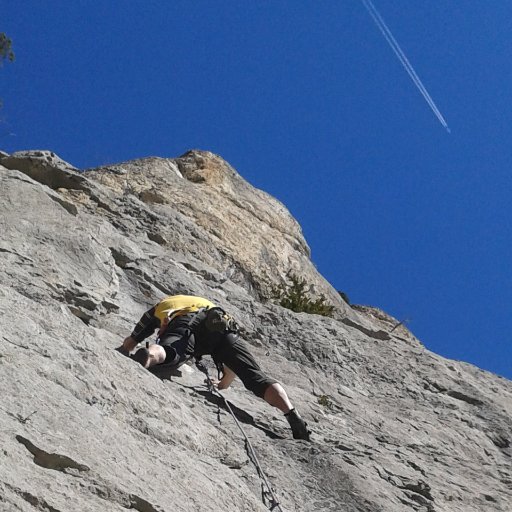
[82,428]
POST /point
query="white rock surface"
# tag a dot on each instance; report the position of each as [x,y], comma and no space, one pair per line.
[82,255]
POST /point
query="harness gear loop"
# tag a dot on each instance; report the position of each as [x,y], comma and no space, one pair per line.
[267,493]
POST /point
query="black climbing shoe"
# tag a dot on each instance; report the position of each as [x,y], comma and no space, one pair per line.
[123,351]
[298,425]
[141,356]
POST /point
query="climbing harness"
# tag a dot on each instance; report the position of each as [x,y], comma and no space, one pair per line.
[267,493]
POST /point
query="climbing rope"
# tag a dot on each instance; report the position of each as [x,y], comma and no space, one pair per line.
[267,493]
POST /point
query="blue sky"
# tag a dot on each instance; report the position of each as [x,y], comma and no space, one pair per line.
[306,100]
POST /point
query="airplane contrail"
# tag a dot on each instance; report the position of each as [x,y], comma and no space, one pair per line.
[381,25]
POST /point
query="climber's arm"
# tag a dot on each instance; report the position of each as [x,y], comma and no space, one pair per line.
[228,376]
[144,328]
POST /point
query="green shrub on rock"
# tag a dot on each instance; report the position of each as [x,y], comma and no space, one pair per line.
[295,296]
[5,48]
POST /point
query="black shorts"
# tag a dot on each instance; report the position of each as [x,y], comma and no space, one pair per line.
[178,341]
[234,353]
[180,345]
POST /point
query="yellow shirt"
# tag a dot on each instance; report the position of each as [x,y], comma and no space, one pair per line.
[177,305]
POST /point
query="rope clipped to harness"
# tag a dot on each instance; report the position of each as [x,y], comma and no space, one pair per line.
[267,493]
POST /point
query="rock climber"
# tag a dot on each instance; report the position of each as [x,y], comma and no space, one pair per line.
[192,327]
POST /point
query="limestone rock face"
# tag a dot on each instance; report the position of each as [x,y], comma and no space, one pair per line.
[83,255]
[205,209]
[44,166]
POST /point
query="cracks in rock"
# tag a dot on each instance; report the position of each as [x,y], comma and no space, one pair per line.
[436,387]
[386,439]
[418,492]
[157,238]
[69,207]
[415,466]
[121,259]
[25,258]
[464,398]
[156,284]
[80,299]
[419,487]
[101,204]
[47,172]
[347,452]
[145,281]
[48,460]
[141,504]
[127,500]
[65,464]
[31,349]
[22,419]
[499,439]
[81,303]
[378,335]
[38,503]
[110,307]
[86,319]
